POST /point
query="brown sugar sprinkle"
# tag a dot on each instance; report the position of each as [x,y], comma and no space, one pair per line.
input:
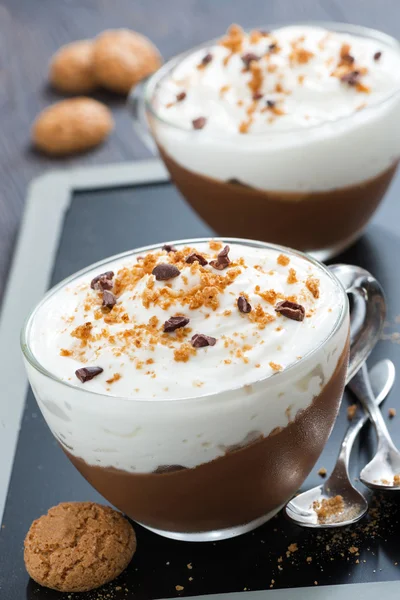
[64,352]
[392,413]
[259,316]
[257,77]
[184,352]
[351,411]
[322,472]
[269,296]
[224,89]
[215,245]
[275,366]
[283,260]
[329,508]
[292,276]
[312,284]
[345,58]
[114,378]
[83,333]
[233,41]
[300,56]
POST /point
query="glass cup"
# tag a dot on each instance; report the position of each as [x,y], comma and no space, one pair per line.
[313,189]
[217,465]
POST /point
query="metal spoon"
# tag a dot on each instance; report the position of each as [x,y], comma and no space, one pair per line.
[300,509]
[380,473]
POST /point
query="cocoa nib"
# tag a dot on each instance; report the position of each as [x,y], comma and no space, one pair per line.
[87,373]
[199,340]
[271,103]
[169,248]
[206,59]
[351,78]
[377,55]
[199,122]
[165,271]
[196,257]
[174,323]
[104,281]
[181,96]
[243,305]
[248,58]
[222,261]
[234,181]
[291,310]
[109,300]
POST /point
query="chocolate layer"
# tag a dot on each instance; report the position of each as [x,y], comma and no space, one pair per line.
[302,220]
[237,488]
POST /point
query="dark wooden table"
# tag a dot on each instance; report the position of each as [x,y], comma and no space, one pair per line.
[31,30]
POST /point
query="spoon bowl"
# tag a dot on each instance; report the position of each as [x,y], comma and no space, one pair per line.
[383,471]
[301,509]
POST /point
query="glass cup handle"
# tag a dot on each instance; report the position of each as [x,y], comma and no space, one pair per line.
[137,108]
[367,312]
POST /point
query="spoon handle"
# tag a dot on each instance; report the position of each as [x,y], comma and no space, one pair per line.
[361,387]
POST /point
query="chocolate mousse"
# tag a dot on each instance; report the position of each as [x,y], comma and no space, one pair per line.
[288,136]
[201,397]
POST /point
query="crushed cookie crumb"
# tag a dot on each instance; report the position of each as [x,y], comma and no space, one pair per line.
[275,366]
[184,352]
[329,508]
[283,260]
[114,378]
[392,413]
[322,472]
[64,352]
[312,284]
[292,278]
[351,411]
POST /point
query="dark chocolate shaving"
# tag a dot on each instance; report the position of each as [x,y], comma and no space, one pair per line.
[199,340]
[291,310]
[243,304]
[271,103]
[206,59]
[222,261]
[174,323]
[87,373]
[248,58]
[272,47]
[169,248]
[165,271]
[351,78]
[109,300]
[234,181]
[104,281]
[257,96]
[199,122]
[181,96]
[377,55]
[196,257]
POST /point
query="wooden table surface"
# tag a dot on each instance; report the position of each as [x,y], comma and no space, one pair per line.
[31,30]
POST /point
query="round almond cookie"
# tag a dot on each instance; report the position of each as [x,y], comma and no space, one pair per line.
[122,58]
[78,546]
[71,68]
[72,125]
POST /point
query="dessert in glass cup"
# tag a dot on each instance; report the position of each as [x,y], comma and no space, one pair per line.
[194,385]
[290,135]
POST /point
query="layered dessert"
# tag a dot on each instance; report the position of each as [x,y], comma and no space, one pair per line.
[194,385]
[289,136]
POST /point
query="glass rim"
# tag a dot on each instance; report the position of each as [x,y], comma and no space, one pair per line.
[36,364]
[150,84]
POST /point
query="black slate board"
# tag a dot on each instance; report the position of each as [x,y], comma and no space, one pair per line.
[102,223]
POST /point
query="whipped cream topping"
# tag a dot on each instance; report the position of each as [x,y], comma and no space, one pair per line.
[293,77]
[229,333]
[276,122]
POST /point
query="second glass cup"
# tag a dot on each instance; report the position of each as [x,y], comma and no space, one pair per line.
[311,187]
